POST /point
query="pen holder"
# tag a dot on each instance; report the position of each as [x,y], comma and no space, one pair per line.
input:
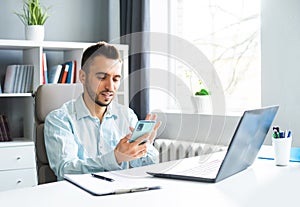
[282,150]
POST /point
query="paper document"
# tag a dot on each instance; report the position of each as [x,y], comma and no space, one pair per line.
[109,183]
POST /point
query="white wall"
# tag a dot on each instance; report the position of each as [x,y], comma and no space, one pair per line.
[70,20]
[280,45]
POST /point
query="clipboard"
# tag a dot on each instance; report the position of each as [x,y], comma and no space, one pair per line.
[103,187]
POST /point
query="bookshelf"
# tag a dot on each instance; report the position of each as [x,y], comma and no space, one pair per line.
[19,107]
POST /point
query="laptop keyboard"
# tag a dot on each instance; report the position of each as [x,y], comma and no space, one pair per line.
[203,169]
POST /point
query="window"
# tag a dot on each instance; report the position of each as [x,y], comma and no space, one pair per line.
[227,32]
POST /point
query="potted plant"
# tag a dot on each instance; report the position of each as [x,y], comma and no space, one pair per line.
[202,100]
[33,17]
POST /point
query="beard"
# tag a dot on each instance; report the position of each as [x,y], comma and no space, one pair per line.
[99,103]
[96,97]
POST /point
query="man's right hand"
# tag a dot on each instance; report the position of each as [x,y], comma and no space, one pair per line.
[126,151]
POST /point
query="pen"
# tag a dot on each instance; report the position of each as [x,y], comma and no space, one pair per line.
[276,129]
[102,177]
[276,132]
[289,134]
[276,135]
[286,134]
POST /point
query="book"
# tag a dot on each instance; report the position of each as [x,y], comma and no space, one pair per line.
[20,79]
[25,77]
[29,77]
[4,128]
[74,71]
[9,80]
[44,69]
[65,73]
[54,73]
[61,74]
[1,136]
[70,72]
[109,183]
[16,79]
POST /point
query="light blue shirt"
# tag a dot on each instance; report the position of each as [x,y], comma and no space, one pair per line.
[76,142]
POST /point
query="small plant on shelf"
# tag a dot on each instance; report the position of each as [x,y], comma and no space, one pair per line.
[33,13]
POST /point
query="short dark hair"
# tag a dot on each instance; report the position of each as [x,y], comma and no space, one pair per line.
[99,49]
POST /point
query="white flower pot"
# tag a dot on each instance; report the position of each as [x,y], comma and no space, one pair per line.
[34,32]
[202,104]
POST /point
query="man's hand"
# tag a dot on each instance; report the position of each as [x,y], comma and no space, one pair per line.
[153,134]
[126,151]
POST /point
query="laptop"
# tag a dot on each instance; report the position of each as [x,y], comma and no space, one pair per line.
[247,140]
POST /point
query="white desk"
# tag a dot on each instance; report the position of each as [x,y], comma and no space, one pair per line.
[263,184]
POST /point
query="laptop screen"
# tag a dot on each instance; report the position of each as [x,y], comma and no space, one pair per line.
[247,140]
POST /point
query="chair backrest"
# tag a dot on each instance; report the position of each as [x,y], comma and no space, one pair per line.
[49,97]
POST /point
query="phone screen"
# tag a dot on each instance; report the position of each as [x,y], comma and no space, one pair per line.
[142,127]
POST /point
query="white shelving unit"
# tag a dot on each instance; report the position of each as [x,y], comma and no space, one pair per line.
[19,107]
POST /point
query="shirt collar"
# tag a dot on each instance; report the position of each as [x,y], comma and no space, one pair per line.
[110,111]
[83,111]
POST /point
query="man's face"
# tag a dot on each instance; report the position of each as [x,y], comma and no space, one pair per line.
[103,80]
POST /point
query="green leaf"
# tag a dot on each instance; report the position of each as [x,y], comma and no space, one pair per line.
[202,92]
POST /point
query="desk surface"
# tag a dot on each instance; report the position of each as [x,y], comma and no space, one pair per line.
[262,184]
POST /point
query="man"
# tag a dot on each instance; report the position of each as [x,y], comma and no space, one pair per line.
[91,133]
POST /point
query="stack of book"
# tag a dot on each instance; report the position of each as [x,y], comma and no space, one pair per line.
[4,130]
[62,73]
[18,79]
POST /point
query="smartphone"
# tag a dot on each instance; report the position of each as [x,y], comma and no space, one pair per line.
[142,127]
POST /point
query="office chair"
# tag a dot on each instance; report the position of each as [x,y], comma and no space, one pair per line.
[49,97]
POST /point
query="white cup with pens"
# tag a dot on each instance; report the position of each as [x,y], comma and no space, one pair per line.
[282,142]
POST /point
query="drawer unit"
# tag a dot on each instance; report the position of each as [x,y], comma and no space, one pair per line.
[17,165]
[12,179]
[18,157]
